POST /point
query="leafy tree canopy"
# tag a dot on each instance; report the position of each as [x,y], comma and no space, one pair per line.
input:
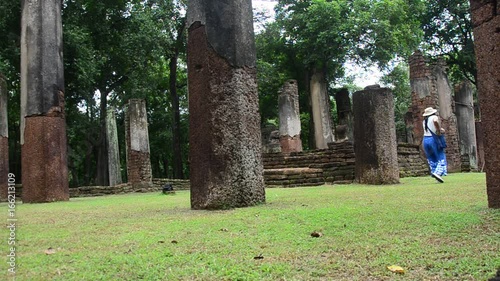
[448,34]
[325,34]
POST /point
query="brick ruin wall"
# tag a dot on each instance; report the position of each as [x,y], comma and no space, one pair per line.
[411,162]
[293,177]
[89,191]
[338,163]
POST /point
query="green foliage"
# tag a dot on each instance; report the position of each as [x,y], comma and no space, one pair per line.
[113,50]
[385,29]
[448,34]
[398,80]
[269,80]
[10,40]
[434,231]
[324,35]
[314,33]
[305,119]
[10,61]
[118,50]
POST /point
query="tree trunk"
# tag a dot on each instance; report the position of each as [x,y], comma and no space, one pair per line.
[165,167]
[15,152]
[311,140]
[178,172]
[88,163]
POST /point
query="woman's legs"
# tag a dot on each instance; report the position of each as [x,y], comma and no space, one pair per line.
[442,165]
[436,158]
[431,152]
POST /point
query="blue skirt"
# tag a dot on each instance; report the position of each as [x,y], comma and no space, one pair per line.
[435,157]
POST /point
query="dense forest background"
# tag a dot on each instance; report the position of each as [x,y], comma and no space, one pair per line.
[115,50]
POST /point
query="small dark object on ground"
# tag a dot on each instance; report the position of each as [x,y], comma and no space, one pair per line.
[168,189]
[497,276]
[259,257]
[316,234]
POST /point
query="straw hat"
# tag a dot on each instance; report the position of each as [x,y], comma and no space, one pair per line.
[429,111]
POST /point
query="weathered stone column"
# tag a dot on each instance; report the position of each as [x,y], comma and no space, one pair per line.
[448,117]
[375,136]
[430,87]
[224,128]
[344,111]
[114,167]
[323,133]
[486,23]
[288,105]
[137,140]
[464,110]
[4,140]
[423,93]
[270,135]
[43,126]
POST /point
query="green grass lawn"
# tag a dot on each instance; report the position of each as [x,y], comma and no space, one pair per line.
[434,231]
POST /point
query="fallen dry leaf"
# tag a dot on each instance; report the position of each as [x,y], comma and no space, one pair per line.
[396,269]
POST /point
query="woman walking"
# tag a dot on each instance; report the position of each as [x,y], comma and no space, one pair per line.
[434,150]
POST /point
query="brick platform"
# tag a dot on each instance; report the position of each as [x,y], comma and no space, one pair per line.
[292,177]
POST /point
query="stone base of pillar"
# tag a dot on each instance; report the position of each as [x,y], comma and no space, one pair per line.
[290,144]
[142,186]
[44,162]
[4,168]
[139,169]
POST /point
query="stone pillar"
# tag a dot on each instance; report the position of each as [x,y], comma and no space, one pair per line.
[137,144]
[323,133]
[344,111]
[288,105]
[4,140]
[270,139]
[448,117]
[43,125]
[224,128]
[464,109]
[423,93]
[114,167]
[409,128]
[375,136]
[430,88]
[486,23]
